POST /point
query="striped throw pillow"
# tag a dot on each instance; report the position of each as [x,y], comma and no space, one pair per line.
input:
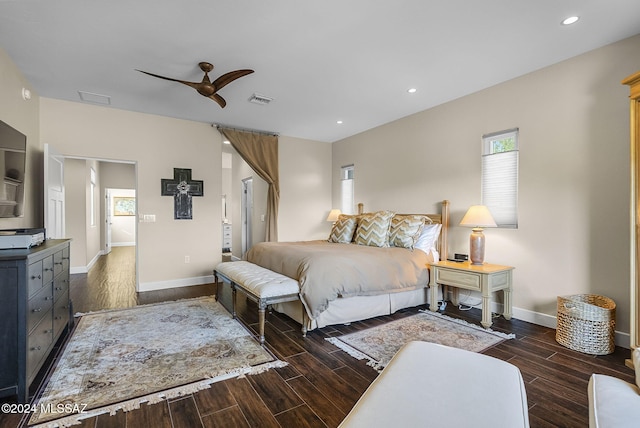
[342,230]
[373,229]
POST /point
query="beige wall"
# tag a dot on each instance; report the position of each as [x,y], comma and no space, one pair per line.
[573,234]
[305,189]
[157,144]
[23,116]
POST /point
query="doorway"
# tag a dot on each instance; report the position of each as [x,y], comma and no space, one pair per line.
[246,209]
[85,214]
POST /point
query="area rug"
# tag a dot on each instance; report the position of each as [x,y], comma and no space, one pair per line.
[379,344]
[122,358]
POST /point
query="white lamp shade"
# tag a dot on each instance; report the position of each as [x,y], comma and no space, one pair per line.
[333,215]
[478,216]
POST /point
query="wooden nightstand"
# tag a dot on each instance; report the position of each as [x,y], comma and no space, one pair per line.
[485,278]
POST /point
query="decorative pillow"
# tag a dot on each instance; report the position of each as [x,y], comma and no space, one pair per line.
[343,229]
[405,230]
[428,239]
[373,229]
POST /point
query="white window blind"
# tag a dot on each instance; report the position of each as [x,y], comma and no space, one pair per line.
[347,203]
[500,177]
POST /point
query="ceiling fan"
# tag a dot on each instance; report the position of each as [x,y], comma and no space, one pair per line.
[206,87]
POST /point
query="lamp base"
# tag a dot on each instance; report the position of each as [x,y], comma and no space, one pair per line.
[476,246]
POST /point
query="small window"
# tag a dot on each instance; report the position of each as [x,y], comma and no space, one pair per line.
[92,201]
[347,204]
[500,176]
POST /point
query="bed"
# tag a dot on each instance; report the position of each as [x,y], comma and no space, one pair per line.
[363,270]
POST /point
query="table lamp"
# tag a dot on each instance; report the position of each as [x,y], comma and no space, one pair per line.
[478,216]
[333,215]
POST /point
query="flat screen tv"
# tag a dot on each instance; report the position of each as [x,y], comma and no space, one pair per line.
[13,150]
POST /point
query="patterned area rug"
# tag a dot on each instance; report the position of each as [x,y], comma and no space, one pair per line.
[379,344]
[120,359]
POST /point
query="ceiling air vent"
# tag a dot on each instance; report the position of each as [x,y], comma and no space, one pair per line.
[260,99]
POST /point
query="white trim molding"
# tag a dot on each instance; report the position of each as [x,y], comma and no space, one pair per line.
[174,283]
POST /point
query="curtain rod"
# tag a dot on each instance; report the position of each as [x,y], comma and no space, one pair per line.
[235,128]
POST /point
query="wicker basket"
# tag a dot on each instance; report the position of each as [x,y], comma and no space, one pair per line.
[586,323]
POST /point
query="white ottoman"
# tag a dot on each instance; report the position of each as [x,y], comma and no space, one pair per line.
[432,385]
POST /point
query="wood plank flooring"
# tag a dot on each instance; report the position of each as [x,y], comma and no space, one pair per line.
[322,383]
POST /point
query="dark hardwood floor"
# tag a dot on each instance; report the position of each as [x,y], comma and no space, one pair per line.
[322,383]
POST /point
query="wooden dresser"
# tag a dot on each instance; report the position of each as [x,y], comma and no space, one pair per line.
[35,311]
[226,237]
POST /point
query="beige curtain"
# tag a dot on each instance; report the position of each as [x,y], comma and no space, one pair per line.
[260,151]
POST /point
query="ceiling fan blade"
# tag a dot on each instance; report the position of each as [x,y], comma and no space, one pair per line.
[184,82]
[217,98]
[229,77]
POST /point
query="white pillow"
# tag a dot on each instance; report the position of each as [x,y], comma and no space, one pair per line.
[428,240]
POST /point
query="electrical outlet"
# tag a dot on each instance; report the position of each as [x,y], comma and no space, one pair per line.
[187,259]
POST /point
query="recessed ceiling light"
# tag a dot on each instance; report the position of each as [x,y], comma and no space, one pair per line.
[570,20]
[339,122]
[412,90]
[226,142]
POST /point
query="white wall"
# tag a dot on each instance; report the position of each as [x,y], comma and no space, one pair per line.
[573,234]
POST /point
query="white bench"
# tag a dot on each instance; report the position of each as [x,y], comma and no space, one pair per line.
[261,285]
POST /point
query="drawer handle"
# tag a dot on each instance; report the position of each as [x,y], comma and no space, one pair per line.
[36,277]
[36,348]
[37,310]
[47,298]
[57,263]
[48,331]
[65,258]
[47,269]
[59,288]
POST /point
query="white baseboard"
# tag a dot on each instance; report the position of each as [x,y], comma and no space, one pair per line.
[85,269]
[123,244]
[174,283]
[622,339]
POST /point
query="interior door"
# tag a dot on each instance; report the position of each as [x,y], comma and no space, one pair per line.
[108,221]
[247,214]
[53,193]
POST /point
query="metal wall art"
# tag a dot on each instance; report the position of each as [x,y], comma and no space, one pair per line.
[182,188]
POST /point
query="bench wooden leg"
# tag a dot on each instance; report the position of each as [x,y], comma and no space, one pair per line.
[215,276]
[261,317]
[233,300]
[304,322]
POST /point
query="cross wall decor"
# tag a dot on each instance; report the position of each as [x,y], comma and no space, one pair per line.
[182,188]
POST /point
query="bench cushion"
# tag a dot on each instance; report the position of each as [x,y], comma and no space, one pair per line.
[257,280]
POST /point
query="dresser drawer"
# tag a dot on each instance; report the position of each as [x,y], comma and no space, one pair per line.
[467,280]
[38,345]
[38,306]
[61,314]
[60,285]
[58,264]
[34,277]
[47,270]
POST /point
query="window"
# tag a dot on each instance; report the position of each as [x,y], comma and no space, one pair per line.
[346,188]
[92,201]
[500,176]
